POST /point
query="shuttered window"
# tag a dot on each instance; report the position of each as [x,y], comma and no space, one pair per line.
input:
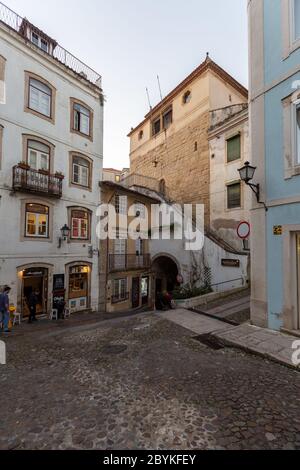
[234,148]
[234,196]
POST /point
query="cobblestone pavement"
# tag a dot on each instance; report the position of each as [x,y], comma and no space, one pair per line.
[142,382]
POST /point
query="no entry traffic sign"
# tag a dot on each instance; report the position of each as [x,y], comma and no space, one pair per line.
[243,230]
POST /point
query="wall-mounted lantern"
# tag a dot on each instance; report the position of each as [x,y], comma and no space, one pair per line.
[65,232]
[247,174]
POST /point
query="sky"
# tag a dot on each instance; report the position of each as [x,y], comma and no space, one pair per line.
[130,42]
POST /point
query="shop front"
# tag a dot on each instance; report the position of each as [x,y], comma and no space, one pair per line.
[35,281]
[79,287]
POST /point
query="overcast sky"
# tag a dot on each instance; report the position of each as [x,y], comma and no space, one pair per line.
[130,42]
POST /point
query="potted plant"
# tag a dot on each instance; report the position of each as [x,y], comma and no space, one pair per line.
[59,175]
[24,165]
[44,172]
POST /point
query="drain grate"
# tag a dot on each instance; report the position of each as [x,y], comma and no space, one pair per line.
[114,349]
[210,341]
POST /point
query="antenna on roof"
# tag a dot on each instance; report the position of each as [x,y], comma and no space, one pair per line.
[159,87]
[148,96]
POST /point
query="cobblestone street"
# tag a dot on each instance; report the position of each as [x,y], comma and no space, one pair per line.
[142,382]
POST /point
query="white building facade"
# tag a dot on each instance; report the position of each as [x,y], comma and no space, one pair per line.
[51,158]
[230,200]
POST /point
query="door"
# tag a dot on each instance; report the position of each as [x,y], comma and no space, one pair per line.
[35,280]
[145,290]
[136,292]
[298,278]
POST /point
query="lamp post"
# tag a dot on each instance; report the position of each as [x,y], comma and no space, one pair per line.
[247,174]
[65,232]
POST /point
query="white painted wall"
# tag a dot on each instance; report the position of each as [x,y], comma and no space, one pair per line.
[224,221]
[13,251]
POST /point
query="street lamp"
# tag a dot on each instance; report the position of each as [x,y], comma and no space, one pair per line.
[247,174]
[65,232]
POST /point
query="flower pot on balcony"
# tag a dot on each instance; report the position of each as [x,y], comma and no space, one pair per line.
[60,176]
[23,165]
[44,172]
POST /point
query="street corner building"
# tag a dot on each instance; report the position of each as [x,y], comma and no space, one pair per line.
[275,151]
[51,151]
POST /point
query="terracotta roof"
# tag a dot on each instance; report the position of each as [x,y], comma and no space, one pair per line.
[208,64]
[123,189]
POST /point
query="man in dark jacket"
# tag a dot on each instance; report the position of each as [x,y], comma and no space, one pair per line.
[33,300]
[4,308]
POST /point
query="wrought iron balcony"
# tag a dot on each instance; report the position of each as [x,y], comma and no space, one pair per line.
[34,181]
[129,262]
[17,23]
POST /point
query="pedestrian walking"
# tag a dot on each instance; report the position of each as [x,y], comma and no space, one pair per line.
[33,300]
[4,309]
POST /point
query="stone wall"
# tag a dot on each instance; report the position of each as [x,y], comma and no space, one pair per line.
[183,162]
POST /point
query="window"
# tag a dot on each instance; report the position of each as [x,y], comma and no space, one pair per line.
[196,147]
[167,118]
[81,171]
[120,290]
[156,126]
[234,196]
[296,20]
[39,42]
[37,221]
[234,148]
[117,178]
[81,119]
[187,97]
[121,204]
[38,155]
[298,134]
[40,96]
[141,135]
[140,210]
[80,223]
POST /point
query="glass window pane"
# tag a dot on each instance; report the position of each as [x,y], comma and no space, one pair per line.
[85,124]
[31,224]
[297,19]
[43,222]
[298,132]
[40,86]
[234,196]
[33,144]
[234,148]
[32,159]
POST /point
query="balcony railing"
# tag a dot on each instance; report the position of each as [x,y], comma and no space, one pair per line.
[129,262]
[116,299]
[14,21]
[33,181]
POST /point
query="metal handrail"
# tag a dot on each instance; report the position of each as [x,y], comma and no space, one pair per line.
[14,21]
[29,180]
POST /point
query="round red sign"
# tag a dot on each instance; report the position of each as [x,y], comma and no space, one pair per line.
[243,230]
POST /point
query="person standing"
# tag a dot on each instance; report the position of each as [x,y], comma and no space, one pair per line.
[32,303]
[4,309]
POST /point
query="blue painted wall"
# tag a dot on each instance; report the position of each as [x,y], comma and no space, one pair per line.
[276,186]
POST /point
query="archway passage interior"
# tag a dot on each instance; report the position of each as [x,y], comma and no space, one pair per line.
[165,271]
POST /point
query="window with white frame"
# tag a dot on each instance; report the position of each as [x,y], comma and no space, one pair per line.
[119,290]
[80,222]
[37,221]
[81,171]
[38,155]
[296,19]
[82,119]
[298,134]
[40,97]
[39,42]
[121,204]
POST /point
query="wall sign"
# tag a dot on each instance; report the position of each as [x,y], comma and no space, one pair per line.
[58,291]
[277,230]
[231,263]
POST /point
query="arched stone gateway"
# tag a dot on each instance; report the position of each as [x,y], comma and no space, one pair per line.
[165,270]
